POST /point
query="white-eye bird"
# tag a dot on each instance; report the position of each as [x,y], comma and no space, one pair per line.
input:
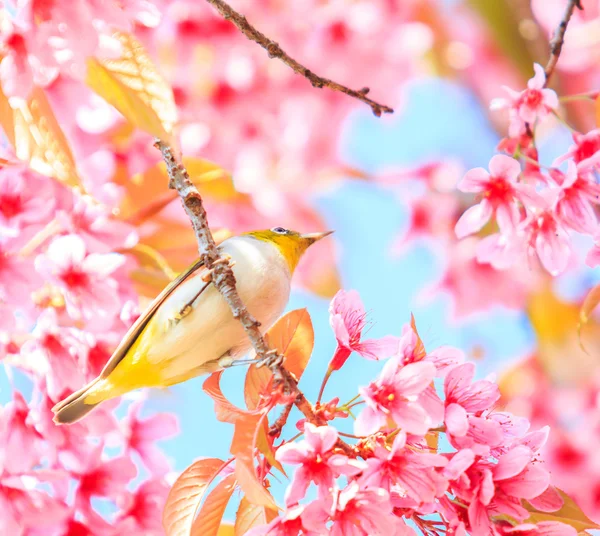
[189,329]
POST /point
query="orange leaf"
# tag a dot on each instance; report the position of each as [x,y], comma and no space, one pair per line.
[224,410]
[293,336]
[34,132]
[265,445]
[133,85]
[420,347]
[570,514]
[208,521]
[226,529]
[251,515]
[187,493]
[242,447]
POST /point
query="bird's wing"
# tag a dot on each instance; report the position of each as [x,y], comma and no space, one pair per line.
[139,325]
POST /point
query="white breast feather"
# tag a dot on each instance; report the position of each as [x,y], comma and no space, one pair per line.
[209,331]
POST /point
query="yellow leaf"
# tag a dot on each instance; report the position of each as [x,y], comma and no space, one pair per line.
[251,515]
[37,138]
[186,495]
[570,514]
[133,85]
[560,352]
[226,529]
[208,521]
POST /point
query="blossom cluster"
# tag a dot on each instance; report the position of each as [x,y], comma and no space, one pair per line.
[433,453]
[66,300]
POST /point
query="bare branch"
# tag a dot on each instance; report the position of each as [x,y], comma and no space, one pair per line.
[558,40]
[275,51]
[223,279]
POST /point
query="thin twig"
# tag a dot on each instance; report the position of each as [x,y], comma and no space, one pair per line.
[558,40]
[223,279]
[275,51]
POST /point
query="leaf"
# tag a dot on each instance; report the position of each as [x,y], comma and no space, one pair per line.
[590,302]
[225,411]
[226,529]
[251,515]
[208,521]
[570,514]
[265,445]
[242,447]
[433,440]
[420,347]
[187,493]
[37,138]
[133,85]
[293,336]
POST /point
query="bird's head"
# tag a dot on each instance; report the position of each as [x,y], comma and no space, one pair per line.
[290,244]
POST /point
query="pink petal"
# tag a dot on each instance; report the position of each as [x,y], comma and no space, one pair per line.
[474,181]
[459,463]
[536,440]
[473,219]
[555,528]
[508,217]
[539,78]
[512,463]
[550,98]
[103,264]
[320,438]
[553,249]
[376,349]
[398,444]
[530,483]
[159,426]
[293,453]
[458,379]
[66,250]
[479,519]
[414,378]
[412,418]
[504,166]
[445,357]
[487,488]
[368,422]
[549,501]
[296,490]
[339,330]
[456,420]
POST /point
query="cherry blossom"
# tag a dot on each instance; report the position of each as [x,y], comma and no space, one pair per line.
[347,317]
[529,105]
[317,462]
[500,191]
[394,394]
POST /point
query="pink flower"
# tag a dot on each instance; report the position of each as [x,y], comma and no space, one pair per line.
[463,397]
[354,512]
[141,435]
[141,511]
[21,445]
[395,394]
[543,528]
[95,225]
[499,191]
[25,198]
[347,317]
[585,151]
[102,478]
[533,103]
[24,508]
[577,190]
[287,524]
[592,258]
[414,472]
[18,278]
[317,462]
[84,279]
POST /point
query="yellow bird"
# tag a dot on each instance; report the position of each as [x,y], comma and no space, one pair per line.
[189,330]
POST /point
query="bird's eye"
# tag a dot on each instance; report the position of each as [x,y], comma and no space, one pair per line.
[280,230]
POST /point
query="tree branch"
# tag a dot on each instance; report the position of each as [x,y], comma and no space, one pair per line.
[223,279]
[558,40]
[275,51]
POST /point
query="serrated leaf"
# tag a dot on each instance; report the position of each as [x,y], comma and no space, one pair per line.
[293,336]
[569,514]
[133,85]
[251,515]
[243,446]
[225,411]
[34,132]
[208,521]
[186,495]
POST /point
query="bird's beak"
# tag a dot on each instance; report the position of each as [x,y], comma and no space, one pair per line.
[314,237]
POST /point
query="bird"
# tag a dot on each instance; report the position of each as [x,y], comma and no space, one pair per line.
[188,329]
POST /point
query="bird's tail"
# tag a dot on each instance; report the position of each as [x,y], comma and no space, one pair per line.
[73,408]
